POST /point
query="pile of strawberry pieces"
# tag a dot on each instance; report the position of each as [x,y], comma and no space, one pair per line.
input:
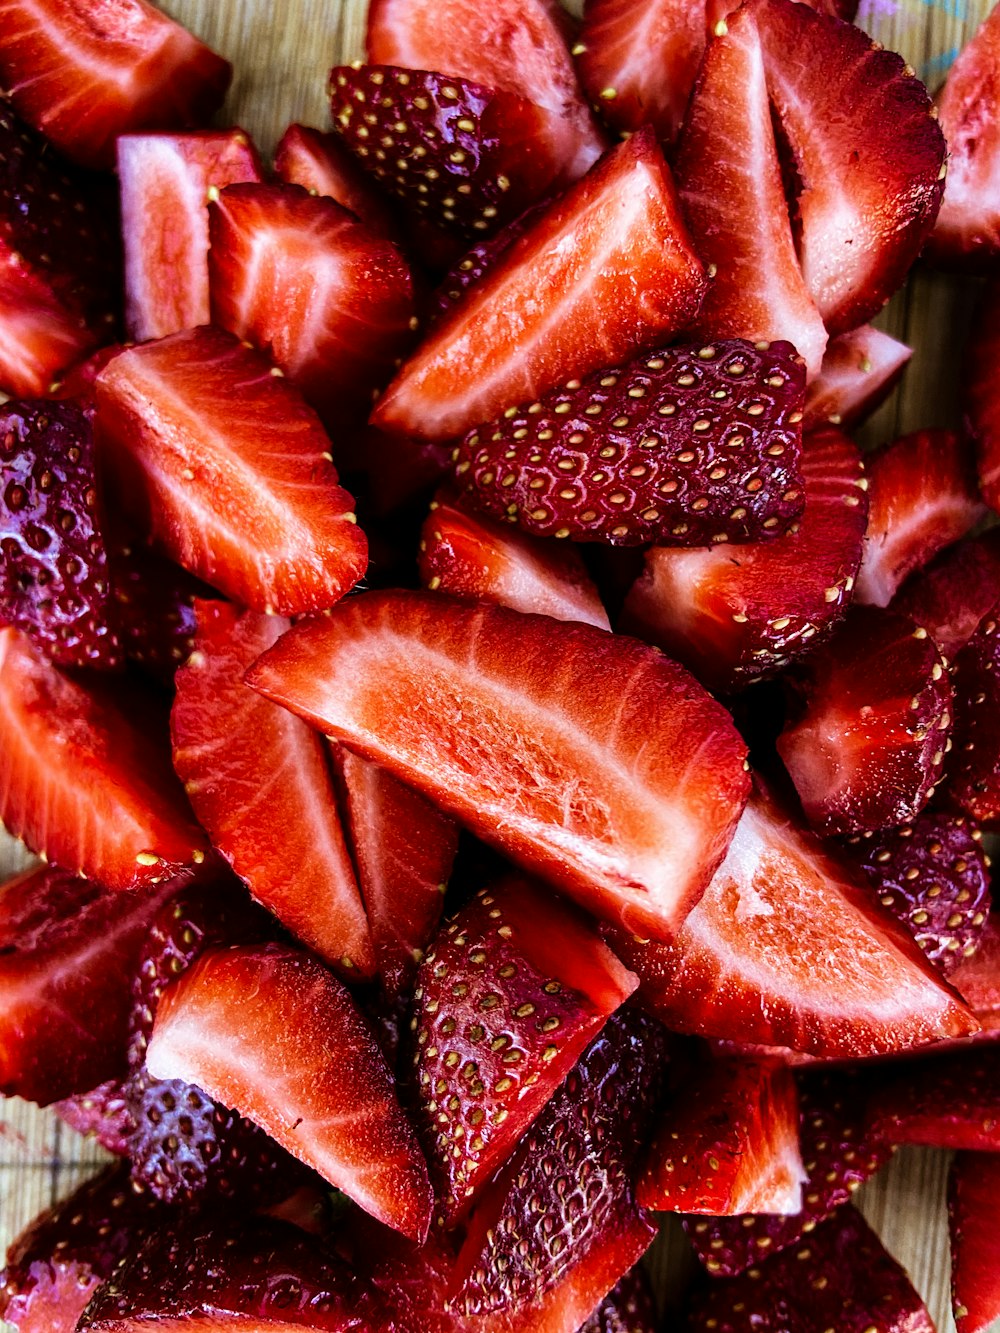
[505,765]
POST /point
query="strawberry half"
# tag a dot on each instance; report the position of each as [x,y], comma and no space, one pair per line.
[688,446]
[736,615]
[859,371]
[627,1308]
[508,996]
[973,773]
[102,1114]
[943,1101]
[271,1033]
[973,1189]
[229,469]
[951,596]
[587,284]
[85,71]
[322,165]
[516,725]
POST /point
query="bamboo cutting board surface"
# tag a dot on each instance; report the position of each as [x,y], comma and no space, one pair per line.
[282,50]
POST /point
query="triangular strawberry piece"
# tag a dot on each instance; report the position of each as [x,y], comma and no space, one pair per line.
[941,1101]
[973,770]
[973,1190]
[859,371]
[321,164]
[950,597]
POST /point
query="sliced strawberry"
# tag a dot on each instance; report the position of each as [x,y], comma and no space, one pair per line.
[230,471]
[973,1190]
[736,615]
[470,556]
[943,1101]
[983,397]
[322,165]
[849,1284]
[866,745]
[627,1308]
[977,979]
[508,996]
[524,728]
[860,369]
[78,381]
[85,71]
[973,773]
[403,849]
[951,596]
[299,277]
[102,1114]
[787,947]
[730,184]
[154,608]
[167,181]
[478,261]
[587,284]
[83,781]
[270,1032]
[259,781]
[922,497]
[610,458]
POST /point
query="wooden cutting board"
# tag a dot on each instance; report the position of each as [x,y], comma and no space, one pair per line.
[282,50]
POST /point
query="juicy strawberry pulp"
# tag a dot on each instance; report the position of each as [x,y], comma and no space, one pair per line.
[322,165]
[975,1249]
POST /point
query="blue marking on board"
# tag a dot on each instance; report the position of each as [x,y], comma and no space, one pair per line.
[939,64]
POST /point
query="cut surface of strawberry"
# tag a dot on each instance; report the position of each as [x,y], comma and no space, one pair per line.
[102,1114]
[83,72]
[943,1101]
[977,979]
[269,1032]
[321,164]
[983,395]
[859,371]
[687,446]
[260,783]
[973,1189]
[536,734]
[229,470]
[586,285]
[951,596]
[973,770]
[166,183]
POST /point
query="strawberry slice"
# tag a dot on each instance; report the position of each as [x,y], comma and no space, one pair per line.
[860,369]
[922,497]
[78,381]
[322,165]
[951,596]
[729,179]
[866,743]
[736,615]
[85,71]
[977,979]
[166,183]
[86,782]
[983,398]
[230,471]
[535,733]
[299,277]
[470,556]
[609,458]
[259,781]
[508,996]
[403,848]
[973,773]
[154,608]
[787,947]
[271,1033]
[102,1114]
[587,284]
[483,256]
[627,1308]
[973,1189]
[727,1143]
[943,1101]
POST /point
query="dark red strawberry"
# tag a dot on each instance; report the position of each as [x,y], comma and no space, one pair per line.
[951,596]
[942,1101]
[322,165]
[102,1114]
[85,71]
[840,1279]
[735,615]
[167,181]
[727,1143]
[154,608]
[973,1189]
[860,369]
[687,446]
[55,583]
[973,770]
[627,1308]
[587,284]
[229,469]
[508,996]
[977,980]
[522,727]
[78,381]
[933,875]
[983,397]
[478,261]
[867,742]
[922,497]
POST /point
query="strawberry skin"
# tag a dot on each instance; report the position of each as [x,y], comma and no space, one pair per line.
[441,692]
[973,772]
[942,1101]
[322,165]
[859,371]
[973,1187]
[230,471]
[977,979]
[154,608]
[627,1308]
[687,446]
[951,596]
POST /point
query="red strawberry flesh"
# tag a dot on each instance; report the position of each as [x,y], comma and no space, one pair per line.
[945,1101]
[860,369]
[973,771]
[951,596]
[322,165]
[975,1248]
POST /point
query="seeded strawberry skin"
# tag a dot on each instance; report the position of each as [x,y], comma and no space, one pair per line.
[973,779]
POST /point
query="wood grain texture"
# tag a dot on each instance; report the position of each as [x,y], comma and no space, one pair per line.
[282,52]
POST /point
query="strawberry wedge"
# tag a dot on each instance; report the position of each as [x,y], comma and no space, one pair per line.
[860,369]
[590,759]
[322,165]
[232,471]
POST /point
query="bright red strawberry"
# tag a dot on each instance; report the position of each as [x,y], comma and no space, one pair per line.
[727,1143]
[787,947]
[154,608]
[933,875]
[271,1033]
[167,181]
[922,497]
[951,596]
[587,284]
[85,71]
[524,727]
[322,165]
[860,369]
[102,1114]
[230,470]
[296,275]
[508,996]
[403,849]
[977,979]
[736,615]
[973,1190]
[973,770]
[85,780]
[941,1101]
[729,179]
[470,556]
[627,1308]
[867,737]
[689,446]
[983,395]
[841,1279]
[259,781]
[55,584]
